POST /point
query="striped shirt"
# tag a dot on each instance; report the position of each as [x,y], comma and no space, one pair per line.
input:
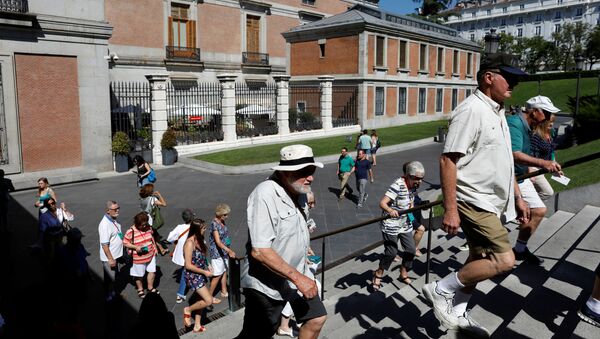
[402,198]
[541,148]
[140,239]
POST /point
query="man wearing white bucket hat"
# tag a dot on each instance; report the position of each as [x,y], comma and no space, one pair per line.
[539,109]
[277,269]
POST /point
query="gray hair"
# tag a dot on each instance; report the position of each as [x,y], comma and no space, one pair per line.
[110,204]
[414,168]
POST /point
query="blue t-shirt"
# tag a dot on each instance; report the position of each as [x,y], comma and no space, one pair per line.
[365,141]
[520,139]
[362,169]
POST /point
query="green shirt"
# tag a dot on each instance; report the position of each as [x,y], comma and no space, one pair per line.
[346,163]
[520,139]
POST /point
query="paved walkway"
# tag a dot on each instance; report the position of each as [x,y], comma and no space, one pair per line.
[31,300]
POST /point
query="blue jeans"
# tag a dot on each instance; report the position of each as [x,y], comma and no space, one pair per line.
[182,284]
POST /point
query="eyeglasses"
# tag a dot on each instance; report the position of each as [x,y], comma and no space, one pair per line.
[114,209]
[415,178]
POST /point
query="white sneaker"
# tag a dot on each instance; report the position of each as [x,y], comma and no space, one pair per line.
[469,326]
[442,305]
[180,299]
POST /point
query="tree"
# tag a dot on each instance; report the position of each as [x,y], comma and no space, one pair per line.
[569,41]
[432,7]
[535,51]
[592,47]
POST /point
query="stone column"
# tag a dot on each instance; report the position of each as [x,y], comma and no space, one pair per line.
[283,103]
[326,101]
[228,106]
[158,111]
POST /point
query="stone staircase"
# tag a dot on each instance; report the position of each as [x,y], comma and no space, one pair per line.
[530,302]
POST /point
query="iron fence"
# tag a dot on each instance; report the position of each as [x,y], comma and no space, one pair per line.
[183,53]
[255,109]
[130,113]
[194,111]
[14,6]
[305,107]
[344,106]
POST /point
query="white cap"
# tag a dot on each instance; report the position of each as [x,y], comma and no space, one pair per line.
[543,103]
[296,157]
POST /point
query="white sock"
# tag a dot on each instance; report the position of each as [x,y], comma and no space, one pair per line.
[450,283]
[520,246]
[461,300]
[594,305]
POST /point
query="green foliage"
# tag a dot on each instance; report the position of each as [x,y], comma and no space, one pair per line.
[592,47]
[557,90]
[582,174]
[169,139]
[144,133]
[120,143]
[587,120]
[570,42]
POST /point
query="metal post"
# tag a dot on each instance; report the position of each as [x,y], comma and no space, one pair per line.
[576,108]
[556,202]
[429,231]
[539,86]
[235,294]
[323,270]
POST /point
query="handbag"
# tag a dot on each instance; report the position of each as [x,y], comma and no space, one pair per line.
[157,219]
[65,223]
[152,176]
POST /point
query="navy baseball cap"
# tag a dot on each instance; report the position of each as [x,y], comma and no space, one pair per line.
[500,62]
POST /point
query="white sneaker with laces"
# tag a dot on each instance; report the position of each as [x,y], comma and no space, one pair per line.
[442,305]
[469,326]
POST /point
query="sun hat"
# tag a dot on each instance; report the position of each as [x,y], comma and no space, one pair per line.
[296,157]
[543,103]
[500,61]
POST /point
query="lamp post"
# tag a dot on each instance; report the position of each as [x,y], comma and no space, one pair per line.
[492,41]
[578,66]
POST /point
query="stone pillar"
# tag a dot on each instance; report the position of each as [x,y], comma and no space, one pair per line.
[283,103]
[158,111]
[228,106]
[326,101]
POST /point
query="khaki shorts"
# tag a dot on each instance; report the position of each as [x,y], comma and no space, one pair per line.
[484,230]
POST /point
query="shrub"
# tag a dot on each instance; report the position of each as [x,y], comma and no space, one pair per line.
[120,143]
[587,121]
[169,139]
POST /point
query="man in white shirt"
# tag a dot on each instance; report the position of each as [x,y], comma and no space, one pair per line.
[178,236]
[478,183]
[111,247]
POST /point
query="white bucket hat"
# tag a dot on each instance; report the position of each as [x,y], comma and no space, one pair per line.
[543,103]
[296,157]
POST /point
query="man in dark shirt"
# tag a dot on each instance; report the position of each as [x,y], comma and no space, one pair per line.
[363,172]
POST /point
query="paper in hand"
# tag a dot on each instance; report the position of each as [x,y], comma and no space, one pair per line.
[561,179]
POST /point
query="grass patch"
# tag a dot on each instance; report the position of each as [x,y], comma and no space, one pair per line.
[557,90]
[582,174]
[322,146]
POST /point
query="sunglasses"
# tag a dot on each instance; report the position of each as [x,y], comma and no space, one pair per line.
[415,178]
[115,209]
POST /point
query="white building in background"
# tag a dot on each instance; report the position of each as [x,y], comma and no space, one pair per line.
[520,18]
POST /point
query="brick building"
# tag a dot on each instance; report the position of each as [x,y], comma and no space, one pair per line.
[54,92]
[407,70]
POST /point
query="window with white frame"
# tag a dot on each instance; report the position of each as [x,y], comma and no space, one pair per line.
[487,24]
[504,9]
[308,2]
[519,20]
[579,11]
[469,63]
[489,12]
[455,56]
[379,100]
[538,17]
[519,32]
[454,98]
[422,100]
[503,22]
[472,26]
[473,15]
[472,37]
[439,99]
[403,54]
[402,102]
[423,57]
[538,30]
[380,51]
[557,28]
[521,7]
[558,15]
[440,59]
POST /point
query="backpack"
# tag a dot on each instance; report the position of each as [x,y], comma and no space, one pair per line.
[152,176]
[378,143]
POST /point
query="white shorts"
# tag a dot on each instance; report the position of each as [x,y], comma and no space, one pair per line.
[530,195]
[219,266]
[138,270]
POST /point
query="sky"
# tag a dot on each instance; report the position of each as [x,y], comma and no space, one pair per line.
[398,6]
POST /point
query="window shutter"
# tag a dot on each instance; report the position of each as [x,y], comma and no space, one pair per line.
[170,29]
[191,33]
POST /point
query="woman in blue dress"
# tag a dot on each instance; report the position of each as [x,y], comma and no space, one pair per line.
[197,273]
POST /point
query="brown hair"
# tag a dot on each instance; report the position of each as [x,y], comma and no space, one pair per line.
[146,190]
[45,180]
[141,221]
[197,228]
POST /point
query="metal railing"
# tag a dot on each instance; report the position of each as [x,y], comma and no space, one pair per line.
[194,111]
[14,6]
[183,53]
[253,58]
[130,113]
[305,107]
[344,106]
[255,109]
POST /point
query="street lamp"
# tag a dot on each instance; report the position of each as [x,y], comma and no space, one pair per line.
[492,41]
[578,67]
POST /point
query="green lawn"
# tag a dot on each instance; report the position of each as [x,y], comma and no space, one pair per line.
[322,146]
[582,174]
[557,90]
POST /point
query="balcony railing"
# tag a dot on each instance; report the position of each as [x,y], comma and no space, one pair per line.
[253,58]
[183,53]
[14,6]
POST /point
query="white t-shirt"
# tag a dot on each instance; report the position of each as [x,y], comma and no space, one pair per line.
[174,235]
[110,233]
[402,199]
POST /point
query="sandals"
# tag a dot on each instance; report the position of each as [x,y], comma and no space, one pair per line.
[201,329]
[154,290]
[141,294]
[164,252]
[216,301]
[376,285]
[405,280]
[224,295]
[187,316]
